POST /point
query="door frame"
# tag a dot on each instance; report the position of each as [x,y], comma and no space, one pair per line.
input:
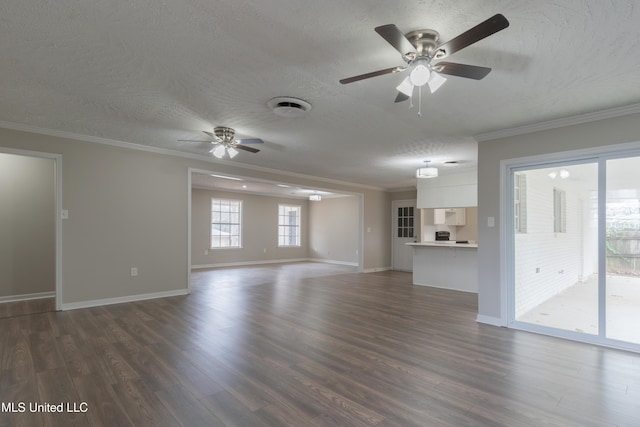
[57,172]
[192,170]
[599,155]
[417,225]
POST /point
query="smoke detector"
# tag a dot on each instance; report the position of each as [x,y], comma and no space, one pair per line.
[285,106]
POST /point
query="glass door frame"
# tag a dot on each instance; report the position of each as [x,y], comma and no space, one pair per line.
[509,168]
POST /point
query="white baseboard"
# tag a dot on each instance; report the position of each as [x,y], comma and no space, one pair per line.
[120,300]
[489,320]
[25,297]
[241,263]
[373,270]
[446,287]
[332,261]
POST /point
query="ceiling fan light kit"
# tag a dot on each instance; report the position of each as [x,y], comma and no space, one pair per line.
[422,51]
[225,143]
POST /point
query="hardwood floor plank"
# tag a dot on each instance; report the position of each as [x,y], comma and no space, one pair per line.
[55,387]
[104,408]
[44,352]
[188,410]
[231,411]
[308,344]
[142,406]
[20,393]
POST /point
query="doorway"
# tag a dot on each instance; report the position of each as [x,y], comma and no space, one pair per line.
[575,258]
[404,230]
[30,262]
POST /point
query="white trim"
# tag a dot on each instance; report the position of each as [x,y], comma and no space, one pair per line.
[376,269]
[489,320]
[57,165]
[596,154]
[125,299]
[168,152]
[26,297]
[189,203]
[243,263]
[445,287]
[558,123]
[332,261]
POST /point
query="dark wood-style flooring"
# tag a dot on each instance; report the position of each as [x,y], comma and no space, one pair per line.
[306,344]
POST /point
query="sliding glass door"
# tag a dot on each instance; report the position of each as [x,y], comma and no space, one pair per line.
[623,250]
[574,264]
[555,247]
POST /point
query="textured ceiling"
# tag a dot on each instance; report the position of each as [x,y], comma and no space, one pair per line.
[152,72]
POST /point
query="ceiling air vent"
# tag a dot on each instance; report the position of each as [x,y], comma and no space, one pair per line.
[284,106]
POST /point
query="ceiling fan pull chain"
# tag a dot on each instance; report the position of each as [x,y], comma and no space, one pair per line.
[420,101]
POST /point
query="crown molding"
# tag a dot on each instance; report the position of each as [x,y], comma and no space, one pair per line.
[558,123]
[174,153]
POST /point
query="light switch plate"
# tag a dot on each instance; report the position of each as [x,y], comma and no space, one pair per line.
[64,214]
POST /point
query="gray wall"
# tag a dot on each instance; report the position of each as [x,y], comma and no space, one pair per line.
[27,225]
[260,229]
[335,229]
[605,132]
[128,208]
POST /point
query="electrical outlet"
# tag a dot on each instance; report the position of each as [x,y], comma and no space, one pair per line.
[134,271]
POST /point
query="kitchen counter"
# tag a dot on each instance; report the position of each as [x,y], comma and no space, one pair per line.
[445,244]
[446,264]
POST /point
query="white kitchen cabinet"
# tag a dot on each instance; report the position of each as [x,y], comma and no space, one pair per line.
[449,216]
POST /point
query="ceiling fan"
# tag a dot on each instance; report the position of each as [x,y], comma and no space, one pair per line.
[422,48]
[223,139]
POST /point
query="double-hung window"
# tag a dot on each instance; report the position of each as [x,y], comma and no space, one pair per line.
[288,225]
[226,224]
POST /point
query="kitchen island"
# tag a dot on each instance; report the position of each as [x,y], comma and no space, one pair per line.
[447,265]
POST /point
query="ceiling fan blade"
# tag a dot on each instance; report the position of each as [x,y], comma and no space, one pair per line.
[195,140]
[250,141]
[210,134]
[462,70]
[396,38]
[246,148]
[484,29]
[372,74]
[401,97]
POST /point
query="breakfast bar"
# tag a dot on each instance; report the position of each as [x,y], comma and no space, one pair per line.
[447,265]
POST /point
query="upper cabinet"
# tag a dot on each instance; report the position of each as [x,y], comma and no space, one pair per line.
[450,216]
[449,191]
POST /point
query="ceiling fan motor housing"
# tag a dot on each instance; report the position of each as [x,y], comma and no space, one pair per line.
[224,134]
[425,42]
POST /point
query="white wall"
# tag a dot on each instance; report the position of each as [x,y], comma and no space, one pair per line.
[619,130]
[27,225]
[128,208]
[335,230]
[259,230]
